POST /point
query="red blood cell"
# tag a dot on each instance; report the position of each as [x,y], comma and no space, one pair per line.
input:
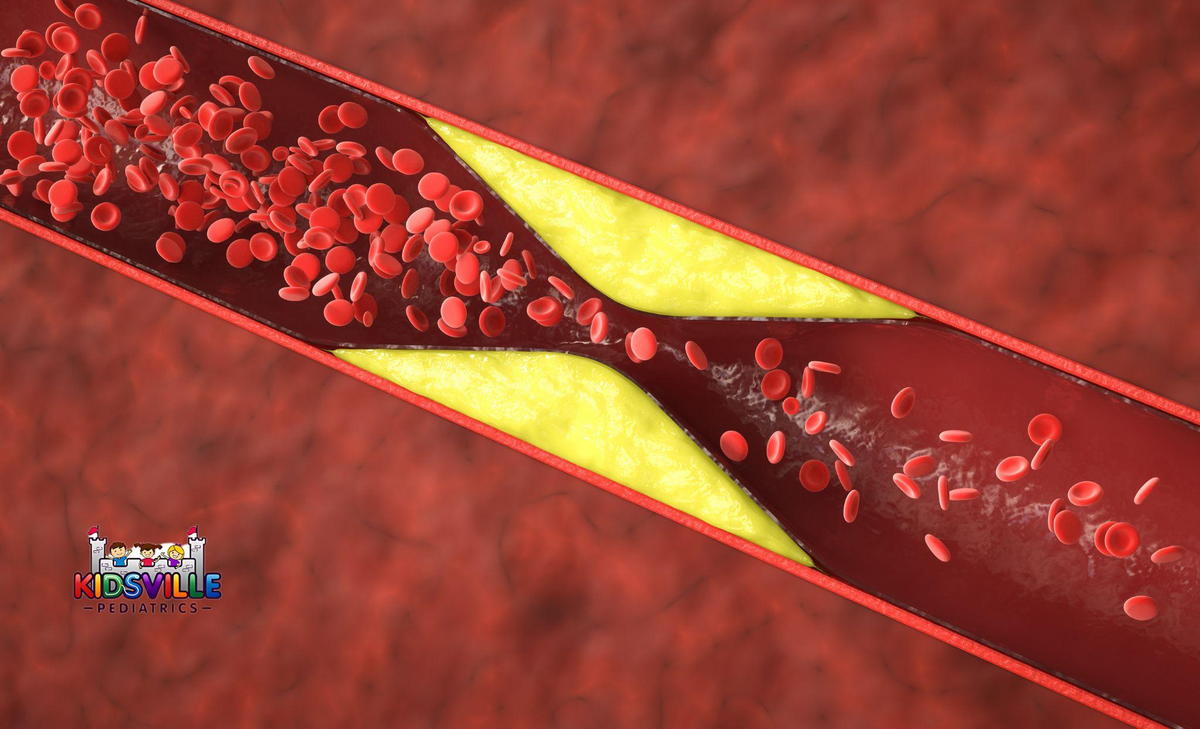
[769,353]
[114,47]
[903,402]
[776,445]
[261,68]
[295,276]
[1167,555]
[1099,535]
[734,446]
[938,548]
[167,70]
[466,205]
[340,259]
[1146,489]
[466,269]
[815,423]
[842,452]
[1044,427]
[561,287]
[790,405]
[454,312]
[1043,452]
[34,104]
[417,318]
[408,161]
[170,247]
[339,312]
[21,144]
[491,321]
[309,264]
[1055,507]
[506,245]
[249,96]
[546,311]
[325,284]
[139,28]
[189,216]
[807,383]
[419,220]
[1141,608]
[23,78]
[352,114]
[943,492]
[1085,493]
[325,217]
[1122,539]
[643,343]
[1012,468]
[843,475]
[826,367]
[412,248]
[955,436]
[598,331]
[63,193]
[443,247]
[154,102]
[218,92]
[240,140]
[293,293]
[238,253]
[964,494]
[693,351]
[1067,527]
[433,185]
[850,506]
[527,258]
[456,332]
[814,476]
[776,384]
[88,16]
[380,198]
[263,246]
[98,150]
[907,486]
[64,40]
[106,216]
[919,466]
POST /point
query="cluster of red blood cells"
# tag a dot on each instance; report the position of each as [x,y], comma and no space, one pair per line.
[1113,539]
[206,152]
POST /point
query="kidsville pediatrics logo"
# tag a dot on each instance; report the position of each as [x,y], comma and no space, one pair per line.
[147,577]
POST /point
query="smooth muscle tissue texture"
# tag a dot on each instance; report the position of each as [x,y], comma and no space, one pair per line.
[583,411]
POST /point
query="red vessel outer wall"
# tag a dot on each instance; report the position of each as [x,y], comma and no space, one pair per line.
[812,576]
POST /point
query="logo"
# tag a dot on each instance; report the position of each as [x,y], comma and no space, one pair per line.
[147,577]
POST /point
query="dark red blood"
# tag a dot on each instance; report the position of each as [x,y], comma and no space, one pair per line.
[1012,468]
[1067,527]
[814,475]
[776,384]
[106,216]
[695,355]
[1085,493]
[919,466]
[1122,539]
[1167,555]
[826,367]
[842,452]
[815,423]
[791,405]
[843,475]
[352,114]
[943,492]
[955,436]
[491,321]
[964,494]
[1043,427]
[938,548]
[1141,608]
[769,353]
[734,445]
[907,486]
[1146,489]
[776,445]
[850,506]
[643,343]
[903,402]
[170,247]
[1099,536]
[339,312]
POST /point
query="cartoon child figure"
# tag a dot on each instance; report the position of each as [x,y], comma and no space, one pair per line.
[174,555]
[148,551]
[119,553]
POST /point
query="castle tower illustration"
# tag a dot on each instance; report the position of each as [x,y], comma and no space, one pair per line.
[97,544]
[196,551]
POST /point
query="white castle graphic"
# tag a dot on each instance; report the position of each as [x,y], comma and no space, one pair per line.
[192,562]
